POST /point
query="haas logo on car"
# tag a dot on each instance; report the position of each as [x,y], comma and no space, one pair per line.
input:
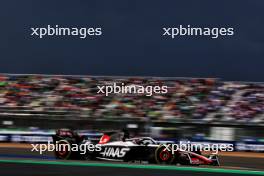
[114,152]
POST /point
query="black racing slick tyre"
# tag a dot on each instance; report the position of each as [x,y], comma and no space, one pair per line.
[163,155]
[63,150]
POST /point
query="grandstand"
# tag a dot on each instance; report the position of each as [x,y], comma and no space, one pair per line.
[192,100]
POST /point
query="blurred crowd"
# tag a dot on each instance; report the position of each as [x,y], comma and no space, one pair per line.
[187,100]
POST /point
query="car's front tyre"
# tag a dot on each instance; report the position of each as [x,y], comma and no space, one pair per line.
[163,155]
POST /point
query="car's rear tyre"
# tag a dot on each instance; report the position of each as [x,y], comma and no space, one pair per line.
[163,155]
[63,150]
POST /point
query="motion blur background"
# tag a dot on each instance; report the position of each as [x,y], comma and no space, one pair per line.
[218,109]
[204,110]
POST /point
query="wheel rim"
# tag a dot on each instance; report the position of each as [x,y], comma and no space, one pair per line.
[164,155]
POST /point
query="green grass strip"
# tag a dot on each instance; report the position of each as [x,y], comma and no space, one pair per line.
[132,166]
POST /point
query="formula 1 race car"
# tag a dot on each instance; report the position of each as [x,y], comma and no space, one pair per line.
[118,146]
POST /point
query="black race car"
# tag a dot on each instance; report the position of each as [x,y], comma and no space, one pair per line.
[118,146]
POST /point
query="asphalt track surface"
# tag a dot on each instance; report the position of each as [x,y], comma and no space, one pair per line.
[22,162]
